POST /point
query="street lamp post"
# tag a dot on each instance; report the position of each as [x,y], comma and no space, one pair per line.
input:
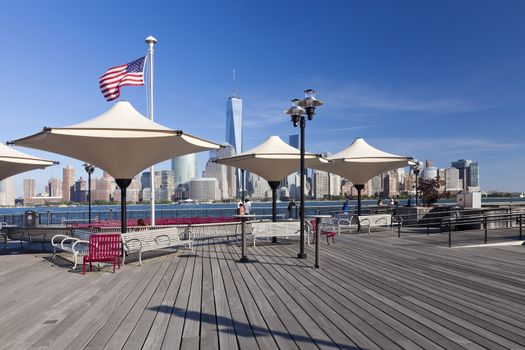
[416,169]
[297,112]
[90,168]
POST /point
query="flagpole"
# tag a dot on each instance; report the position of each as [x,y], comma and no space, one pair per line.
[151,41]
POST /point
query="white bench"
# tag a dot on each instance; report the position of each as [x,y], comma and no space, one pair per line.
[70,245]
[285,229]
[155,239]
[376,220]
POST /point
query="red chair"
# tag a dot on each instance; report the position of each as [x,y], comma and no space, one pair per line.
[103,248]
[326,230]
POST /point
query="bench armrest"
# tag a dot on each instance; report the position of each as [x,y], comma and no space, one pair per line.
[79,241]
[126,247]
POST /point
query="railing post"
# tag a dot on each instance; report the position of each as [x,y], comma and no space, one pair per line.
[486,227]
[399,229]
[449,232]
[521,218]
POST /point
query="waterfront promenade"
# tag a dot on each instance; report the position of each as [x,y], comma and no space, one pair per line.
[376,292]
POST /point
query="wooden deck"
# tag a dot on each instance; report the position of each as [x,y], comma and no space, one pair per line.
[376,292]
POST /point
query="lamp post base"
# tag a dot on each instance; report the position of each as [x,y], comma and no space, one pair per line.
[246,260]
[301,256]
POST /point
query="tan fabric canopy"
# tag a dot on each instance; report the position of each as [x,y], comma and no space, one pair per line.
[120,141]
[360,162]
[273,159]
[13,162]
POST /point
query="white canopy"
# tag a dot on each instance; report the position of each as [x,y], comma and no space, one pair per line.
[359,162]
[13,162]
[273,159]
[120,141]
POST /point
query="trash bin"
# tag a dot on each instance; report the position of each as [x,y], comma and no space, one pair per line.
[31,218]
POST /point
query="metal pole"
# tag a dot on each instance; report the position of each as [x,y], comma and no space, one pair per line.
[302,254]
[520,225]
[151,41]
[416,172]
[449,233]
[89,196]
[242,185]
[486,227]
[273,186]
[317,239]
[244,258]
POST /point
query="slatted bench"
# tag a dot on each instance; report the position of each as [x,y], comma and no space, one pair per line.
[378,220]
[77,247]
[148,240]
[267,229]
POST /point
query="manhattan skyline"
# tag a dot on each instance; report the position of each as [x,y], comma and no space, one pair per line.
[432,81]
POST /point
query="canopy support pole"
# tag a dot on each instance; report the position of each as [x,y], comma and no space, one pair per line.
[302,254]
[123,184]
[359,188]
[273,186]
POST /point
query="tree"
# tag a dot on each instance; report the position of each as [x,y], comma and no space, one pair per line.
[429,191]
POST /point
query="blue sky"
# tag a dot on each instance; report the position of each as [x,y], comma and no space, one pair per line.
[434,80]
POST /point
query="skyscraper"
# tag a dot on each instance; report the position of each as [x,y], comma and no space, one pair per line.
[7,192]
[29,189]
[225,175]
[184,168]
[68,178]
[234,127]
[468,172]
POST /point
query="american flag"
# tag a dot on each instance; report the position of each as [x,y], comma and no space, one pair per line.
[130,74]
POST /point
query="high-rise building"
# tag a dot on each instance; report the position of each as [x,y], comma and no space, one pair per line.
[68,178]
[29,189]
[54,187]
[256,186]
[225,175]
[203,189]
[430,173]
[293,140]
[321,184]
[462,165]
[390,184]
[7,191]
[428,163]
[132,192]
[452,182]
[335,185]
[184,168]
[473,174]
[442,180]
[167,185]
[79,193]
[234,129]
[377,185]
[104,188]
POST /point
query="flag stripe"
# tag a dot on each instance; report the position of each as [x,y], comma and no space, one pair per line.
[130,74]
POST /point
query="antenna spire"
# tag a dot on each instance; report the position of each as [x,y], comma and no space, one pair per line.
[234,83]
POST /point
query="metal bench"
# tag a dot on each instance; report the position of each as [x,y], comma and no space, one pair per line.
[378,220]
[267,229]
[70,245]
[148,240]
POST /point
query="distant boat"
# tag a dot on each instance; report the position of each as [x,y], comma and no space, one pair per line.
[522,195]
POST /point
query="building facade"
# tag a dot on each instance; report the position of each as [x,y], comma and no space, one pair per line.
[68,178]
[203,189]
[234,130]
[184,168]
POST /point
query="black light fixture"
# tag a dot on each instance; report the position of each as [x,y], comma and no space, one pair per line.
[297,113]
[416,169]
[90,168]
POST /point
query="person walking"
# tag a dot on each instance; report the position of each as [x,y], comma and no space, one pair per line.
[345,207]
